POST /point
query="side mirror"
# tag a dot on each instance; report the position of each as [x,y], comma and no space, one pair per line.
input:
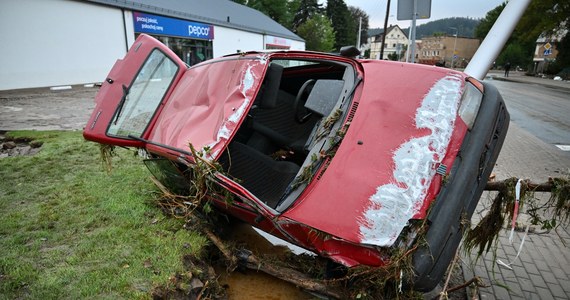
[349,51]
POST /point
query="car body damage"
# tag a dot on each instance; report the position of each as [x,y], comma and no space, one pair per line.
[336,155]
[415,163]
[220,99]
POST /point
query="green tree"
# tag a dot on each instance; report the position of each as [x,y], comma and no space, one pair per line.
[343,24]
[318,33]
[515,54]
[305,10]
[544,16]
[280,11]
[393,56]
[275,9]
[487,22]
[547,17]
[356,14]
[563,58]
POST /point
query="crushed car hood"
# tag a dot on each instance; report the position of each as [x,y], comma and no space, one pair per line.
[383,172]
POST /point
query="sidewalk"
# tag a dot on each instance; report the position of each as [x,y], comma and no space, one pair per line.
[542,271]
[519,76]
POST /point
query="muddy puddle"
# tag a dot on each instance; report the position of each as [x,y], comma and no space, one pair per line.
[17,146]
[248,284]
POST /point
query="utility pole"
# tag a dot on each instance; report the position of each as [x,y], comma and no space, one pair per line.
[385,30]
[413,29]
[359,33]
[454,46]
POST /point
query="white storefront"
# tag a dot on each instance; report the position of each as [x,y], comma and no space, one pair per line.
[65,42]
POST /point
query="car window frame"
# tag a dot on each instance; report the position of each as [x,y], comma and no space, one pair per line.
[121,104]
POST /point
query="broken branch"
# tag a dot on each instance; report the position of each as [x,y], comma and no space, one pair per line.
[531,186]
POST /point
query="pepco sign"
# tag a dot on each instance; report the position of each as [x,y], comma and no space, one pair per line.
[153,24]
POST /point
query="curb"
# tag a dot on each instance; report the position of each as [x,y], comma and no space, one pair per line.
[545,83]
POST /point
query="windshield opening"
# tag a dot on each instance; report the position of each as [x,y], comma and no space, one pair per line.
[299,104]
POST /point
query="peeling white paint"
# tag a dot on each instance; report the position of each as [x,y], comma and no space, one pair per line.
[415,166]
[263,58]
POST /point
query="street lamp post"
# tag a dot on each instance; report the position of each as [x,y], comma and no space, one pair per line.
[454,46]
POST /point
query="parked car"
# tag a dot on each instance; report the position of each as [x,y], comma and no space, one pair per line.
[340,156]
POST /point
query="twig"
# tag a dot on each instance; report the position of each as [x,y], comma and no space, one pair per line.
[444,291]
[477,280]
[203,290]
[222,247]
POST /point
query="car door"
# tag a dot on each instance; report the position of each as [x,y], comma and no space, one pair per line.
[133,94]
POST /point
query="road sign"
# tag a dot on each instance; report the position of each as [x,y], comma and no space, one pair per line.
[406,9]
[547,52]
[547,46]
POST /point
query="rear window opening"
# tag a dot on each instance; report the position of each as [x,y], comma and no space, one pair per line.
[141,99]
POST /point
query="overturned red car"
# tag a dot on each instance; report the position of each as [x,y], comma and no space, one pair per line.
[340,156]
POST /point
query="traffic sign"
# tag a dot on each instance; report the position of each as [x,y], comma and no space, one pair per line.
[406,9]
[547,52]
[547,46]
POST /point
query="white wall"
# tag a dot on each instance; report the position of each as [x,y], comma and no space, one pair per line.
[228,41]
[129,27]
[297,45]
[55,42]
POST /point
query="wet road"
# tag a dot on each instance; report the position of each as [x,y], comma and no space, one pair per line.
[542,111]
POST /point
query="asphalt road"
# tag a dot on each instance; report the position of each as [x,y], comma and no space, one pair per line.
[542,111]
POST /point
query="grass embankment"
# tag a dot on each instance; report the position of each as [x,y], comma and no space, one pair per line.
[70,230]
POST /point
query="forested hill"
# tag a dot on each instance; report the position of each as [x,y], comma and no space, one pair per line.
[465,26]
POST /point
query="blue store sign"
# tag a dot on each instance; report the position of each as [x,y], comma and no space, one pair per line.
[147,23]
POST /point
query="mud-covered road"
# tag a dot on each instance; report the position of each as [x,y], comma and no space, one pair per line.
[43,109]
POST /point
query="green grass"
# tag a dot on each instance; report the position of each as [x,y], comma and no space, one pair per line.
[70,230]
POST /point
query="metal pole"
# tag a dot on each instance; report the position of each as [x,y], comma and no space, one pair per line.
[385,30]
[359,32]
[409,43]
[496,39]
[454,46]
[414,16]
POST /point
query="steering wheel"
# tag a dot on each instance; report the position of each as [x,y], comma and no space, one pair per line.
[302,114]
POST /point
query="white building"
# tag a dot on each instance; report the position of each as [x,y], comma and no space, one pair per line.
[395,43]
[65,42]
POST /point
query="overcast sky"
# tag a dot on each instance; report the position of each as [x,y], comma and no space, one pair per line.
[440,9]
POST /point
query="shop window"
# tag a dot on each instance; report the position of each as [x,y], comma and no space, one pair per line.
[191,51]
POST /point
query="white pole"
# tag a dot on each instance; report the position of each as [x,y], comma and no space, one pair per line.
[496,39]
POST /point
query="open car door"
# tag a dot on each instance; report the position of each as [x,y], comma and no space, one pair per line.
[134,93]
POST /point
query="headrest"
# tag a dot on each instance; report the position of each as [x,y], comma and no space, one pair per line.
[324,96]
[270,86]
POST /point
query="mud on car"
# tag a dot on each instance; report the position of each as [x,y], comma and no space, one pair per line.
[340,156]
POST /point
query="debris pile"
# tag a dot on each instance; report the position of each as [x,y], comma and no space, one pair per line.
[10,146]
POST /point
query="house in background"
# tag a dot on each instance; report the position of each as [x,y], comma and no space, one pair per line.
[395,43]
[448,51]
[545,51]
[371,34]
